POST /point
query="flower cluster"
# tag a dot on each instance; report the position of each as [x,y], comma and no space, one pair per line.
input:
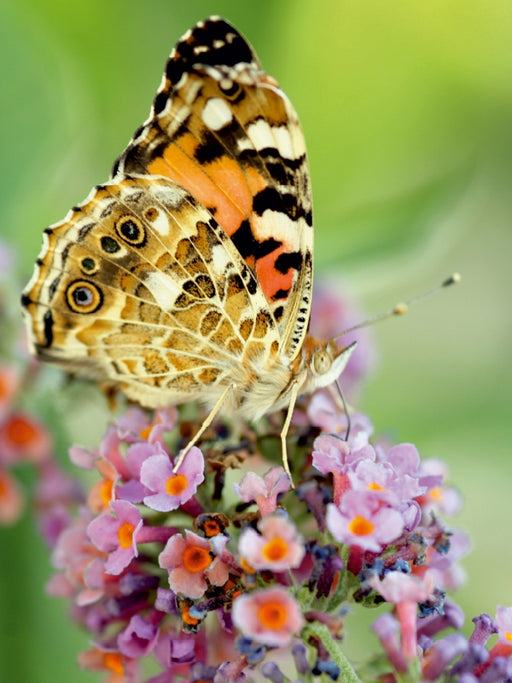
[224,570]
[214,582]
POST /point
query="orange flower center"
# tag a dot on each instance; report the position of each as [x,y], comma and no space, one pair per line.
[20,431]
[196,559]
[106,491]
[125,535]
[275,550]
[3,387]
[436,494]
[272,615]
[373,486]
[508,636]
[176,484]
[144,433]
[113,662]
[360,526]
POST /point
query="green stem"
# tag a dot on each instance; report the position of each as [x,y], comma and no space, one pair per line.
[320,631]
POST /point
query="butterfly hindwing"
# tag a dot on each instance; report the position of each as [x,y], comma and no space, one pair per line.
[140,286]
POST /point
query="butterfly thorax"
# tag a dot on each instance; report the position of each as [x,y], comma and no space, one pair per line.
[260,390]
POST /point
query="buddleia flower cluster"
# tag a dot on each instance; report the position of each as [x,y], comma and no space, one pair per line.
[227,571]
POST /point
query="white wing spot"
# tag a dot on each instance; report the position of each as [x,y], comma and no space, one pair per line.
[161,224]
[216,114]
[163,288]
[220,259]
[262,135]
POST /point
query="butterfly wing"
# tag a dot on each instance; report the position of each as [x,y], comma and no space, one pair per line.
[140,286]
[222,128]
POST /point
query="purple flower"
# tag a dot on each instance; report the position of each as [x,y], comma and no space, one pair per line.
[438,657]
[386,628]
[169,489]
[138,638]
[362,520]
[382,479]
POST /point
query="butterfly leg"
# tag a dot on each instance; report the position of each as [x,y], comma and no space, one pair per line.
[207,422]
[294,392]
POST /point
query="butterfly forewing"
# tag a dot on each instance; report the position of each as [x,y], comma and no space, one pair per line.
[223,129]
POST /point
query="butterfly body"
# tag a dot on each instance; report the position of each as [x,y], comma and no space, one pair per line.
[188,274]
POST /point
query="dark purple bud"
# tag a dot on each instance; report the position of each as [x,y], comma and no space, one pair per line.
[299,653]
[272,672]
[485,626]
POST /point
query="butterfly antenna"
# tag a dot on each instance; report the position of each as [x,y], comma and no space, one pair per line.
[399,309]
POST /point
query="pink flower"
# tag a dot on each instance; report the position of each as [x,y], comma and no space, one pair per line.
[398,587]
[270,616]
[191,565]
[169,489]
[74,554]
[23,438]
[10,382]
[504,624]
[102,492]
[333,455]
[324,413]
[11,499]
[278,547]
[118,668]
[264,491]
[117,535]
[362,520]
[439,497]
[405,591]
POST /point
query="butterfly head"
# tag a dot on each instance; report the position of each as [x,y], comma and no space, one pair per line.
[323,362]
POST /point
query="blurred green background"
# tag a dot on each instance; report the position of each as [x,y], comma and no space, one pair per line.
[407,113]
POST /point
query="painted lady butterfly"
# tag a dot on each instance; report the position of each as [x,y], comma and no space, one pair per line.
[188,275]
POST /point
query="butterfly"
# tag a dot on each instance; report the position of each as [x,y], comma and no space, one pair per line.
[188,274]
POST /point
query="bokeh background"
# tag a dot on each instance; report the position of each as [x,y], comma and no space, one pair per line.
[407,113]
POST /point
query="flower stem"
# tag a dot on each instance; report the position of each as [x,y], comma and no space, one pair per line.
[320,631]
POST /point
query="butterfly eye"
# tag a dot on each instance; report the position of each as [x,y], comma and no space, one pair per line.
[321,361]
[131,231]
[83,297]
